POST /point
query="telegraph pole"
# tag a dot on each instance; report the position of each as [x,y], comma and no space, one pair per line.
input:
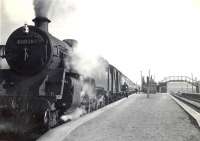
[148,91]
[141,88]
[192,82]
[196,84]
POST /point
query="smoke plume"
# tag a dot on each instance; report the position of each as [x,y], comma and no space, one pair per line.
[42,7]
[53,8]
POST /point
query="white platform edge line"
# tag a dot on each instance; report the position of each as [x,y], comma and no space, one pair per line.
[67,128]
[188,109]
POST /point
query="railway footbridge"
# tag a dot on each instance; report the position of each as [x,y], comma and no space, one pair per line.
[162,85]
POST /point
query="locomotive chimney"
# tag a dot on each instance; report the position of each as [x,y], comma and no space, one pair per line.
[42,23]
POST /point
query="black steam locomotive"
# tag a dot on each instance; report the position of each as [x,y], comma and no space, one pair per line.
[39,86]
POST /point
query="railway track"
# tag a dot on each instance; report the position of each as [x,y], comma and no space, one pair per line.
[193,102]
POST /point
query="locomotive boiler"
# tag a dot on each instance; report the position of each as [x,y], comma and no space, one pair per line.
[41,85]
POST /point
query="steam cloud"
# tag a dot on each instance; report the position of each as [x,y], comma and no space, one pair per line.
[74,115]
[3,64]
[88,65]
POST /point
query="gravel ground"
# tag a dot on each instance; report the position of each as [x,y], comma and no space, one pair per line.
[158,118]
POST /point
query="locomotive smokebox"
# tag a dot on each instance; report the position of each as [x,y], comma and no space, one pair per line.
[42,23]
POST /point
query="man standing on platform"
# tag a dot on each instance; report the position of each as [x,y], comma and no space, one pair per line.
[125,89]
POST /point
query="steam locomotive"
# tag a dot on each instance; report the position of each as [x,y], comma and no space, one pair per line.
[39,86]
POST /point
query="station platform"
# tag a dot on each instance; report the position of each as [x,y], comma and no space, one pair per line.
[136,118]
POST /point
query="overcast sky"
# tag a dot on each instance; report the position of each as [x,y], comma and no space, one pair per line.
[133,35]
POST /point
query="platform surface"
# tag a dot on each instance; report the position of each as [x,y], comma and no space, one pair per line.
[137,118]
